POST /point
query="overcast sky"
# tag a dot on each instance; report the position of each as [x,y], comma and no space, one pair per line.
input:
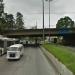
[61,8]
[32,10]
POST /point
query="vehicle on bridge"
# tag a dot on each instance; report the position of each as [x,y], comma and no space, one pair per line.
[15,51]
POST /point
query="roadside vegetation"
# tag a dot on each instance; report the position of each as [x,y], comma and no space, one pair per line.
[64,55]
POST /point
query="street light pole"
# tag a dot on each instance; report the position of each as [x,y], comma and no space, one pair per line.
[49,18]
[49,21]
[43,21]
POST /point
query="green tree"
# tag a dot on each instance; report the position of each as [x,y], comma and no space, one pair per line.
[19,21]
[2,24]
[65,22]
[10,21]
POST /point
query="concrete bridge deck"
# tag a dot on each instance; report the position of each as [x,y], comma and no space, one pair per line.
[39,32]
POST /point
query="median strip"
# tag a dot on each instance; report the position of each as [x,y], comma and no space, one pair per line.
[66,57]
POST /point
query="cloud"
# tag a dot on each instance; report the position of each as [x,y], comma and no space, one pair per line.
[32,10]
[24,5]
[61,8]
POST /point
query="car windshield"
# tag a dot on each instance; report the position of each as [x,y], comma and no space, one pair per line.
[13,49]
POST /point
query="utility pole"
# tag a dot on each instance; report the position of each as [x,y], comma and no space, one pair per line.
[36,24]
[43,21]
[49,21]
[49,18]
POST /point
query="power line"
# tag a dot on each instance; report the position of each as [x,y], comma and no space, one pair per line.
[63,13]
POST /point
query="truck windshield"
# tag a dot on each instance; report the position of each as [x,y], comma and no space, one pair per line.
[13,49]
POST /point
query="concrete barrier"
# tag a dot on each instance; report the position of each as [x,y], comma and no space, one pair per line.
[61,68]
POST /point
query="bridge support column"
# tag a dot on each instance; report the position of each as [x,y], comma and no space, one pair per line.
[36,42]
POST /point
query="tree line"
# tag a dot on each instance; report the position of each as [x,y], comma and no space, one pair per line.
[8,22]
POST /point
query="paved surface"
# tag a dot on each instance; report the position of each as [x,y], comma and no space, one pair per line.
[32,63]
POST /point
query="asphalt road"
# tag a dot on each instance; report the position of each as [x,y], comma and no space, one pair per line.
[33,62]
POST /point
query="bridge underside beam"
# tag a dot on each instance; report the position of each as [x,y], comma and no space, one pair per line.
[25,35]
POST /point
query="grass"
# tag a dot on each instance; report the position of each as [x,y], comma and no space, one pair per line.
[62,54]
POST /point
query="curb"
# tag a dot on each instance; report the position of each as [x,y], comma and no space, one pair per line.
[60,68]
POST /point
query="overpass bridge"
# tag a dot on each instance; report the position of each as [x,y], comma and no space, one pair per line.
[67,33]
[39,32]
